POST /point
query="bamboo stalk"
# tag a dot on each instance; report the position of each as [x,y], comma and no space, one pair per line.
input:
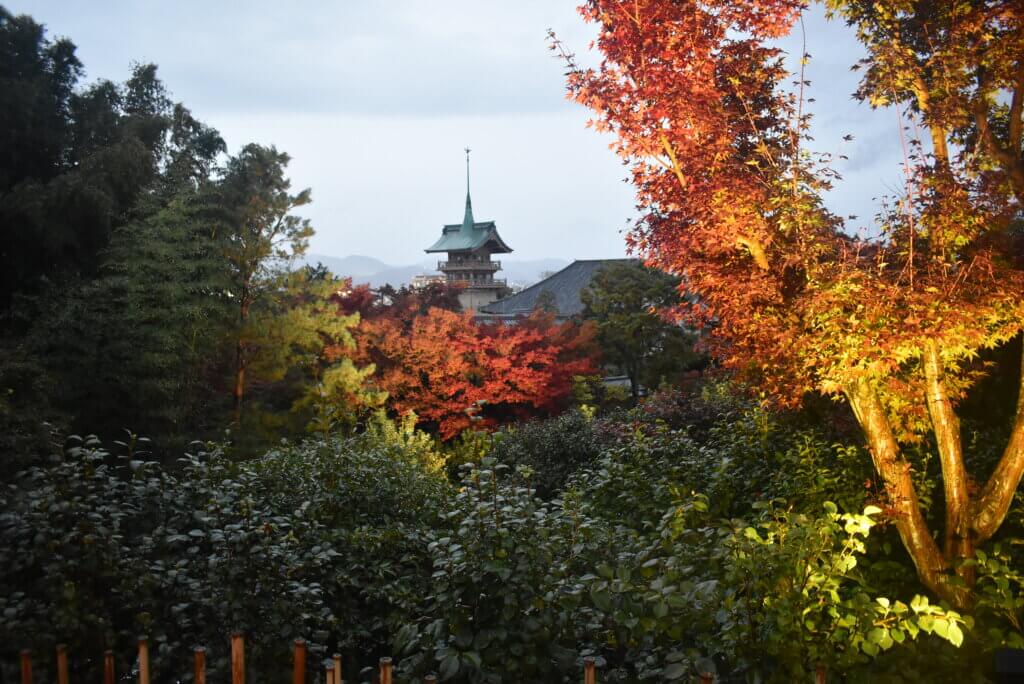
[385,670]
[143,660]
[589,670]
[199,657]
[108,667]
[338,679]
[62,664]
[299,662]
[237,658]
[26,666]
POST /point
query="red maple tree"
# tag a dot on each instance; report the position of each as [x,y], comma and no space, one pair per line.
[452,371]
[692,90]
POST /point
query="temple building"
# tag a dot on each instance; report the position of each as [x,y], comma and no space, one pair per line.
[469,266]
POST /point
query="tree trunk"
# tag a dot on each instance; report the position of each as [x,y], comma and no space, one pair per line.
[990,507]
[240,362]
[958,542]
[929,561]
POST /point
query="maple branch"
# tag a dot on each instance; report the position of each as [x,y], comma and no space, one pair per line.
[756,251]
[1017,109]
[939,146]
[754,246]
[667,146]
[992,504]
[1008,159]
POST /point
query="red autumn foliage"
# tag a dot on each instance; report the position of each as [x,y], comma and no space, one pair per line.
[445,367]
[694,92]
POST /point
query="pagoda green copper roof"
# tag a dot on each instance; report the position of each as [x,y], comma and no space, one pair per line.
[469,235]
[462,237]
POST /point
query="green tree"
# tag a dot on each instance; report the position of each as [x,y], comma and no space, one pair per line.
[134,347]
[629,301]
[260,235]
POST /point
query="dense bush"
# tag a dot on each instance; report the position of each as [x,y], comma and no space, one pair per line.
[321,540]
[657,556]
[552,449]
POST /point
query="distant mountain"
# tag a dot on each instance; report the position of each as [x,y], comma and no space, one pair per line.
[354,266]
[364,269]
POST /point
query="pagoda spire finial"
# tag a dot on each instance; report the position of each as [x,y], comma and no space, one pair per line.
[467,221]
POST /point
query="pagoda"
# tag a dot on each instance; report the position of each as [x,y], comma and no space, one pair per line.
[469,266]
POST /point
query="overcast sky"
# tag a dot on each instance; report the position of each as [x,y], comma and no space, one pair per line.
[375,101]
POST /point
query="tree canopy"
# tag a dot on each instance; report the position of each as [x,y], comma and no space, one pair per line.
[694,94]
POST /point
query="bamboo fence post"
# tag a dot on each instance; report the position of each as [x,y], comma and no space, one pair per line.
[108,667]
[589,670]
[819,674]
[26,666]
[199,659]
[707,678]
[237,658]
[62,664]
[143,660]
[299,662]
[385,670]
[338,679]
[329,672]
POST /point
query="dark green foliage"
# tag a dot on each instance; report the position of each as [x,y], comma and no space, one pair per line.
[147,329]
[629,303]
[551,449]
[320,540]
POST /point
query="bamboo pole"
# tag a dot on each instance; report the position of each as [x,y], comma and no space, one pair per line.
[62,664]
[199,658]
[237,658]
[338,679]
[430,679]
[26,666]
[385,670]
[707,678]
[143,660]
[299,662]
[819,674]
[589,670]
[329,672]
[108,667]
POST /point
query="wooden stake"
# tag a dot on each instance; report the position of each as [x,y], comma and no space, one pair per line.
[237,658]
[62,664]
[430,679]
[26,666]
[707,678]
[143,660]
[199,658]
[299,662]
[108,667]
[329,672]
[819,674]
[385,670]
[338,679]
[589,670]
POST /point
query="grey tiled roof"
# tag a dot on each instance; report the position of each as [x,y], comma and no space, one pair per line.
[565,285]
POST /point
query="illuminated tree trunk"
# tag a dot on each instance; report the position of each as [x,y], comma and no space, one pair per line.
[969,522]
[958,543]
[990,507]
[913,529]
